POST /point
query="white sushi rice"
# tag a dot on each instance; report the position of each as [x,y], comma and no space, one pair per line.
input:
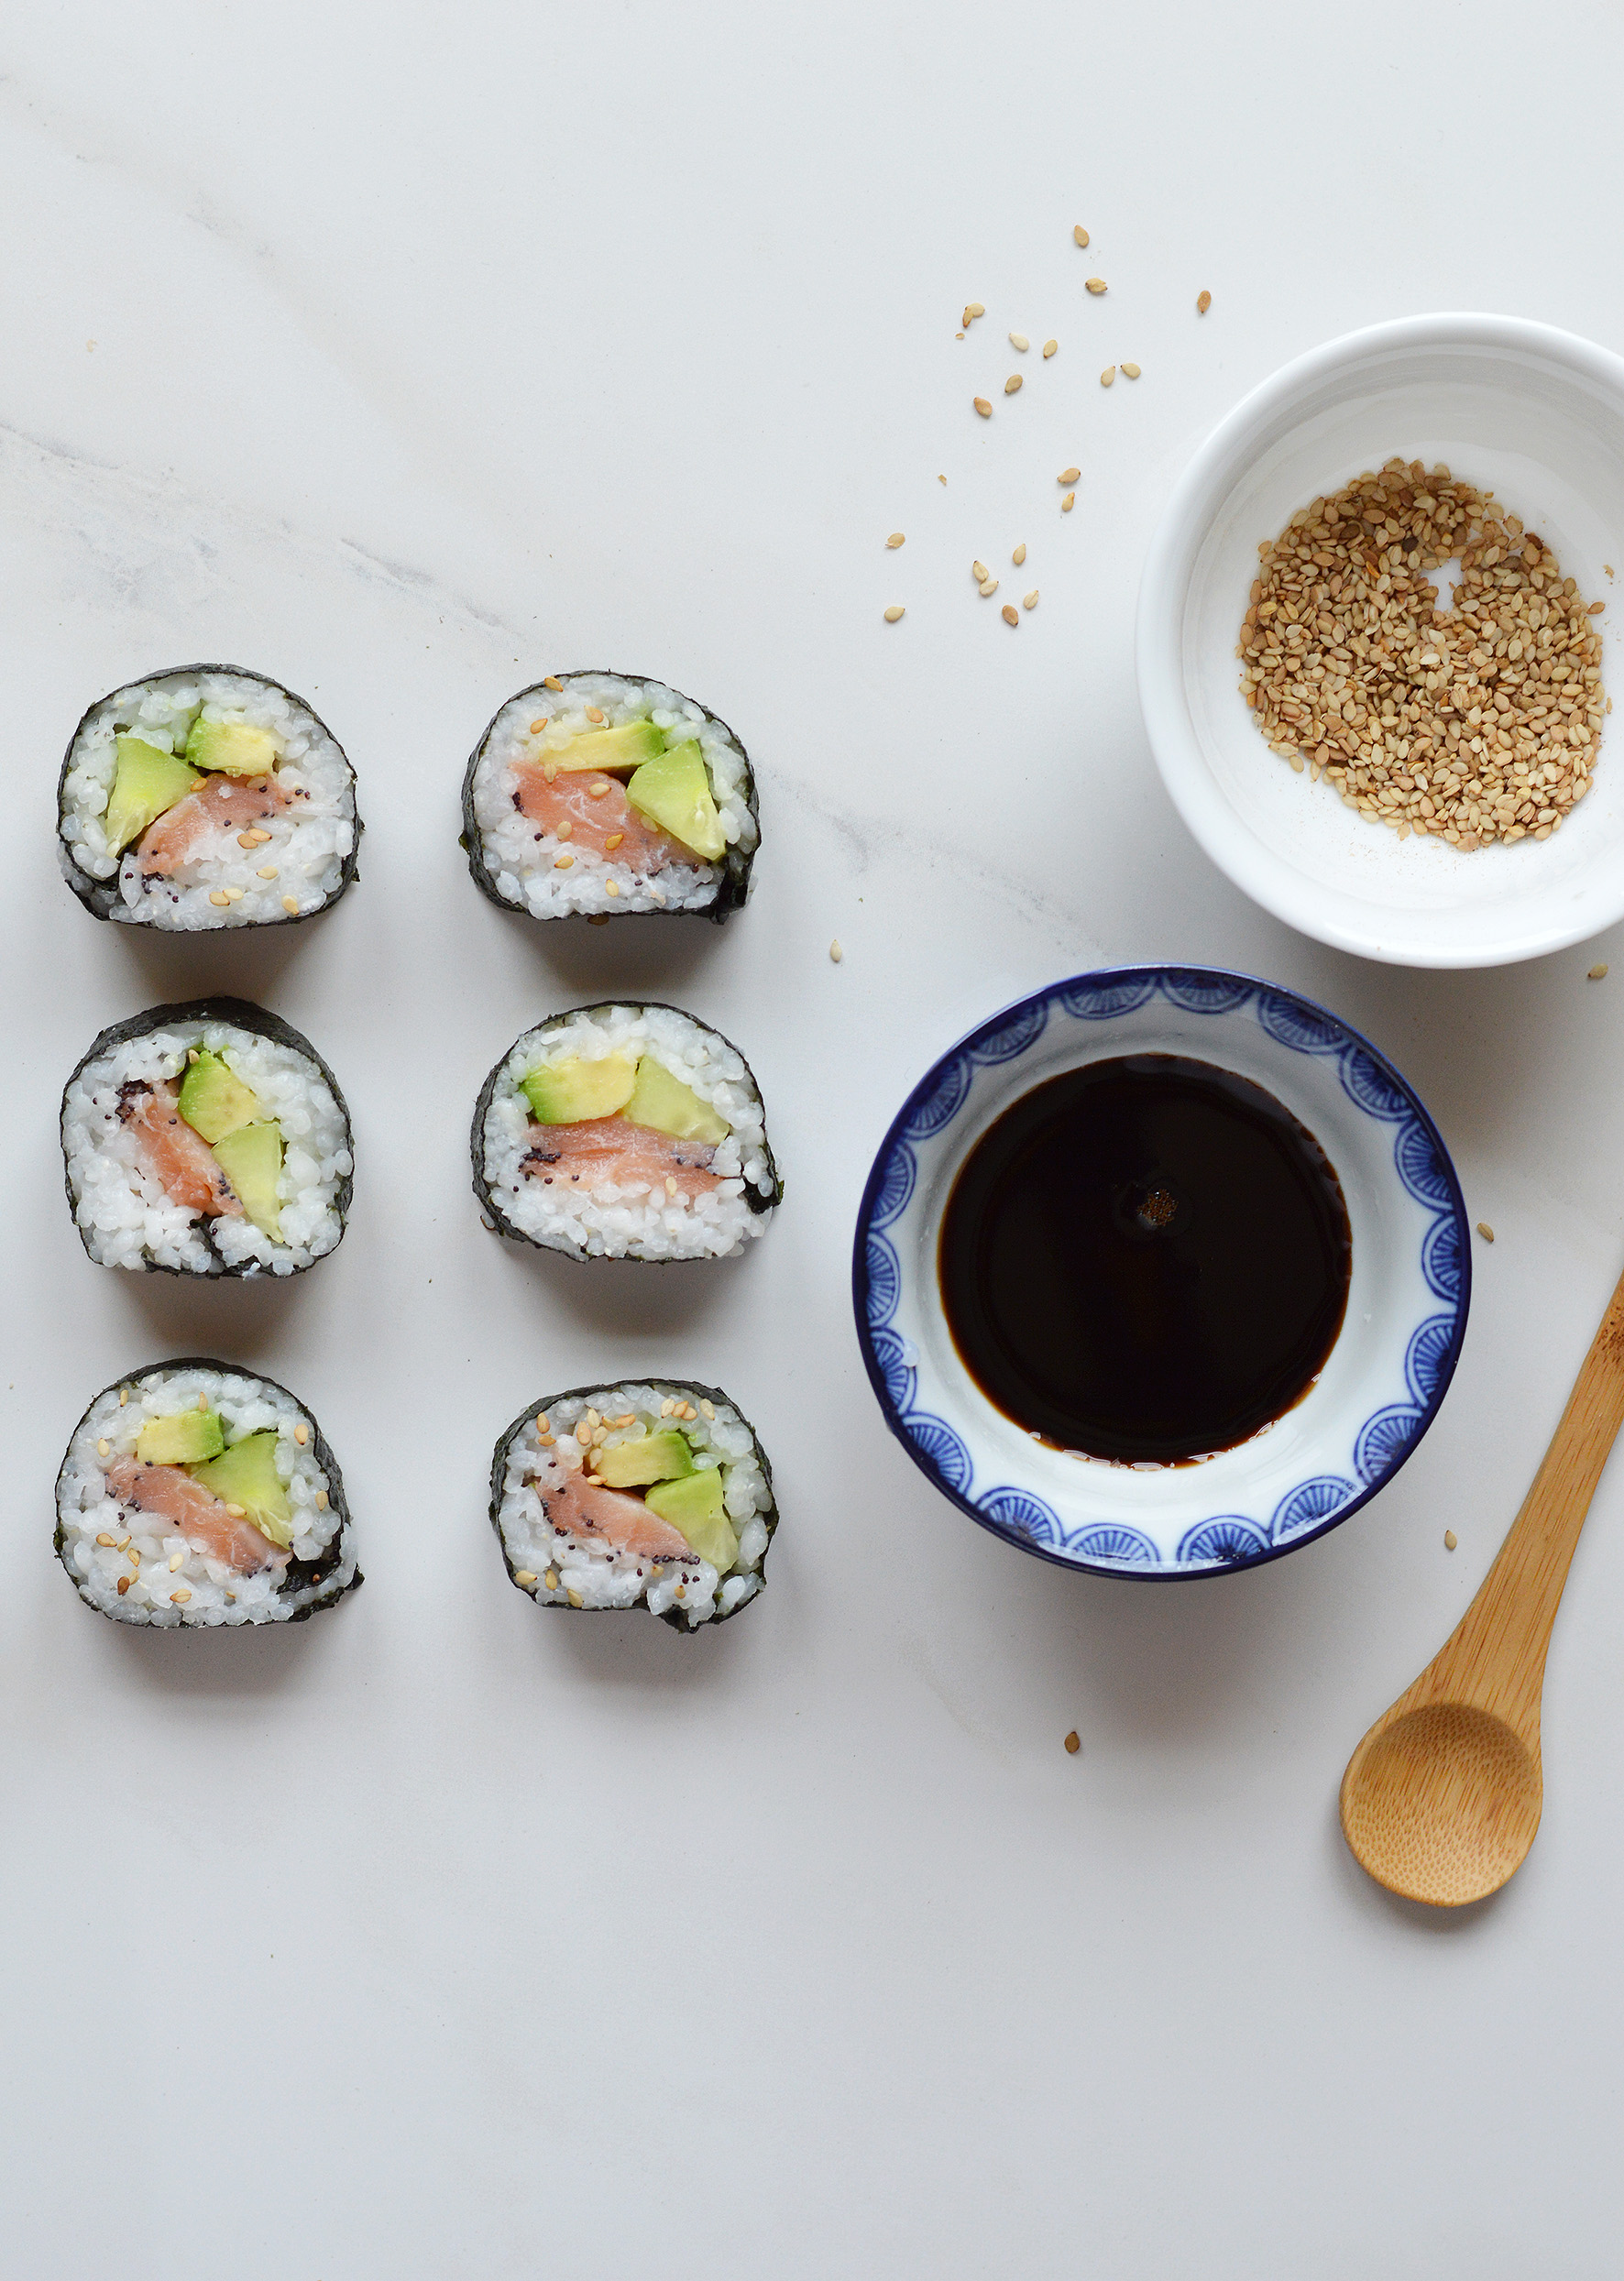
[633,1221]
[129,1221]
[563,1568]
[214,1594]
[307,845]
[523,862]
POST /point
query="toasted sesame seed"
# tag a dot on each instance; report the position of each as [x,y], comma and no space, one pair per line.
[124,1586]
[670,1185]
[1097,285]
[1049,347]
[1072,1743]
[1130,372]
[179,1599]
[1079,233]
[1485,1231]
[526,1576]
[573,1596]
[321,1500]
[176,1559]
[979,572]
[896,611]
[237,1512]
[942,479]
[1029,601]
[1597,973]
[1012,617]
[982,406]
[103,1449]
[989,586]
[1069,502]
[551,681]
[1019,340]
[611,888]
[896,538]
[1019,556]
[973,309]
[267,870]
[202,1401]
[614,839]
[708,1408]
[245,840]
[123,1395]
[220,898]
[104,1538]
[290,903]
[1108,376]
[566,830]
[551,1580]
[1449,1539]
[1012,384]
[1595,609]
[593,714]
[835,951]
[536,727]
[680,1593]
[1069,475]
[1204,301]
[666,1407]
[563,863]
[584,1427]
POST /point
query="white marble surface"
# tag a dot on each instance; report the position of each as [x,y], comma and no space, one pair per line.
[433,349]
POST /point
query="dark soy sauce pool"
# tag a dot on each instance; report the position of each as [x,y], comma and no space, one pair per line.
[1147,1259]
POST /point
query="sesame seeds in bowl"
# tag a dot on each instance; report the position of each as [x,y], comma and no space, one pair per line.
[1430,798]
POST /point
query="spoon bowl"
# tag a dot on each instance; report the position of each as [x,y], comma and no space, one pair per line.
[1442,1803]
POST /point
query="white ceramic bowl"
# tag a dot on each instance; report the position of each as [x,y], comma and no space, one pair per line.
[1385,1378]
[1534,415]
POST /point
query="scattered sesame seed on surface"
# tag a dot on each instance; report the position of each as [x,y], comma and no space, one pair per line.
[982,406]
[1049,347]
[835,951]
[524,1575]
[1596,608]
[1069,502]
[942,479]
[1019,556]
[1485,1231]
[1012,617]
[1079,233]
[1012,384]
[1019,340]
[893,613]
[614,839]
[1597,973]
[1204,301]
[1097,285]
[979,572]
[1108,376]
[1069,475]
[989,586]
[1130,372]
[973,309]
[1072,1743]
[1029,601]
[1449,1539]
[896,539]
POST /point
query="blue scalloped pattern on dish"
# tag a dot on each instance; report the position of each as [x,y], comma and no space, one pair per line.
[1228,1540]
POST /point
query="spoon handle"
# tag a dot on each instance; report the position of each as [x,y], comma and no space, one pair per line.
[1496,1656]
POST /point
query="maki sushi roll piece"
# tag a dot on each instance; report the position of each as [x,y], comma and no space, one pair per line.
[195,1494]
[207,797]
[208,1139]
[651,1494]
[624,1132]
[603,793]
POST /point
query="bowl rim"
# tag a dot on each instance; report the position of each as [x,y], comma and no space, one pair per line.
[1154,971]
[1271,880]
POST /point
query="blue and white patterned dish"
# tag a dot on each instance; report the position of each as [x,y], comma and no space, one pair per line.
[1386,1374]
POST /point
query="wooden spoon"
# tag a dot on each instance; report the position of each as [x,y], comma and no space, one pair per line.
[1442,1799]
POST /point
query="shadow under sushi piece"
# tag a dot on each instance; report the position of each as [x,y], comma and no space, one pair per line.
[621,1299]
[239,1317]
[254,1660]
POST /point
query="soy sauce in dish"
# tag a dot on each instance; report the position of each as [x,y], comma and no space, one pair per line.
[1145,1259]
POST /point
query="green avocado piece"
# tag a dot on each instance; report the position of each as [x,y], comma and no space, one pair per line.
[251,1160]
[663,1456]
[230,748]
[214,1099]
[673,790]
[568,1092]
[612,750]
[247,1475]
[181,1441]
[694,1505]
[145,784]
[660,1100]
